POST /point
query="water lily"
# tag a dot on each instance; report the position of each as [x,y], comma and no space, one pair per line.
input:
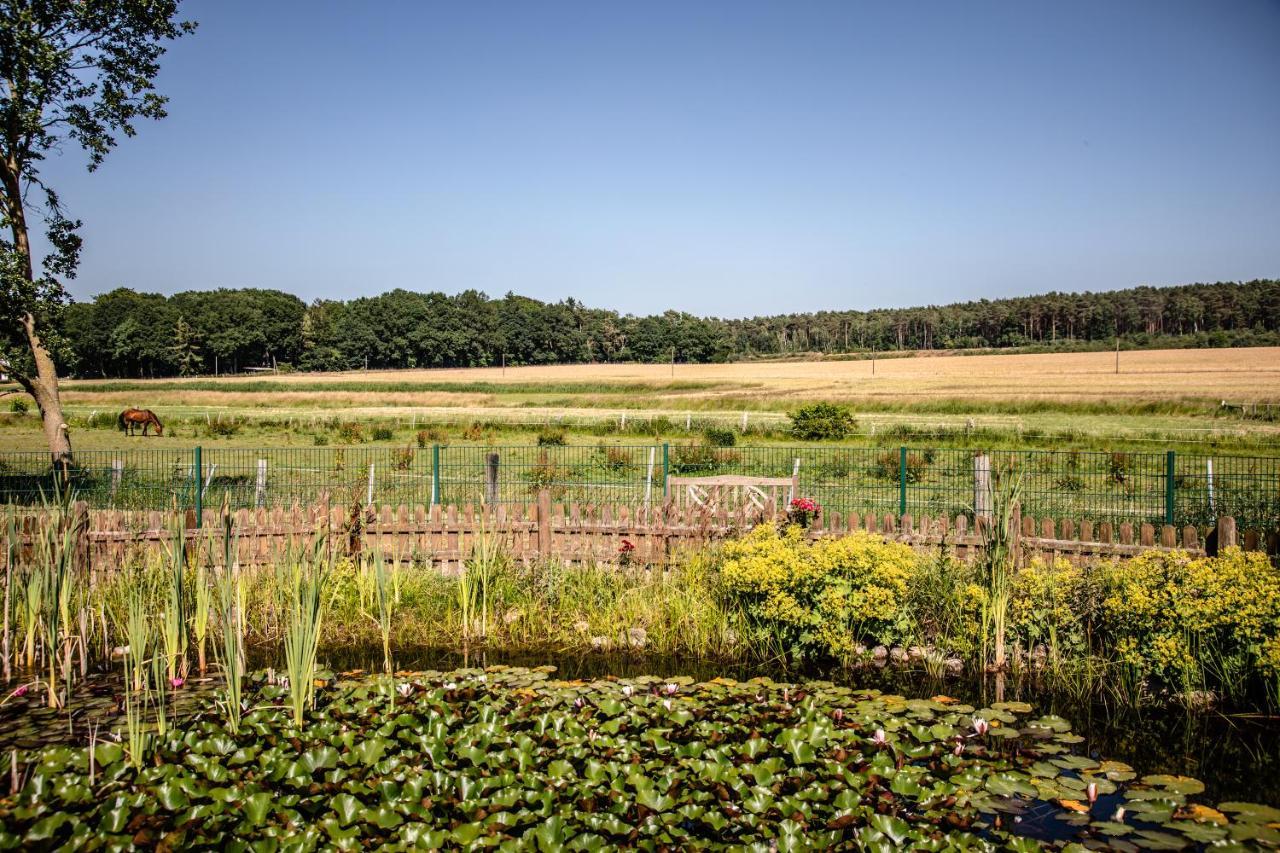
[666,703]
[450,685]
[759,697]
[672,688]
[879,739]
[592,734]
[1118,817]
[1091,792]
[283,681]
[626,690]
[959,748]
[579,702]
[980,726]
[404,688]
[837,714]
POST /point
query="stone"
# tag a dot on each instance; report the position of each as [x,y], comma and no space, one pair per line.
[637,638]
[897,656]
[601,644]
[879,653]
[917,652]
[953,666]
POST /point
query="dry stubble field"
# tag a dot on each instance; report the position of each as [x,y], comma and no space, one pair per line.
[1176,392]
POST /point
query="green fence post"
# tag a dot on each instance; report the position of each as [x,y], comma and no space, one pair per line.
[1169,465]
[666,466]
[199,501]
[902,481]
[435,474]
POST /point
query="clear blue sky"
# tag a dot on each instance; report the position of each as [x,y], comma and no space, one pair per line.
[726,158]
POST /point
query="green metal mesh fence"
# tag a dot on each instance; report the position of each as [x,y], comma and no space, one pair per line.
[1157,487]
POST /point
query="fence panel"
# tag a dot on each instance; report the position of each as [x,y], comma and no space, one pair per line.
[1157,487]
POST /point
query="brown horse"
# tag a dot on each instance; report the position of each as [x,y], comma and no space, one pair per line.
[131,418]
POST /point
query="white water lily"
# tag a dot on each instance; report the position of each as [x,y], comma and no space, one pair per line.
[1091,792]
[626,690]
[879,738]
[672,688]
[980,726]
[404,688]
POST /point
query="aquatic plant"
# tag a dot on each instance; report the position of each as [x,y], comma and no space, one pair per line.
[173,619]
[230,603]
[512,758]
[304,587]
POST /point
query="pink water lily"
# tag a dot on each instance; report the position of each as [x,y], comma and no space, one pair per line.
[626,690]
[879,738]
[1091,792]
[672,688]
[837,714]
[579,702]
[666,703]
[959,748]
[980,726]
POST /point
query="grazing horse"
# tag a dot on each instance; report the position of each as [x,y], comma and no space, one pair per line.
[131,418]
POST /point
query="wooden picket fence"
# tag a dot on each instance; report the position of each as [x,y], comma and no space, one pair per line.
[444,536]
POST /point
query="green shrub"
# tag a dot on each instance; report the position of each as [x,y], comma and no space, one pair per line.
[551,438]
[402,458]
[718,437]
[430,435]
[101,420]
[701,459]
[223,427]
[350,432]
[19,407]
[616,459]
[821,421]
[320,439]
[383,433]
[820,599]
[888,463]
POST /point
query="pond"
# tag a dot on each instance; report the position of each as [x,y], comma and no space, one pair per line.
[1236,756]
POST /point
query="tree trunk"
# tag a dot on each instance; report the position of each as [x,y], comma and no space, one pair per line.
[43,387]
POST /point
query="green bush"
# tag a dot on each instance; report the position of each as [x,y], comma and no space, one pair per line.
[821,421]
[19,407]
[350,432]
[718,437]
[223,427]
[383,433]
[888,463]
[551,438]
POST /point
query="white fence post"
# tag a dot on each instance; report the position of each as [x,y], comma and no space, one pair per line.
[368,498]
[117,470]
[982,485]
[648,479]
[260,493]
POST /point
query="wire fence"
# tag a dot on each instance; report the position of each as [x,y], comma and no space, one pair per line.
[1164,487]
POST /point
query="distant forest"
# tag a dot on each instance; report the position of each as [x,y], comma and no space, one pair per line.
[128,334]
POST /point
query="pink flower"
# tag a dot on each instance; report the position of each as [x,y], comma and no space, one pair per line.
[837,714]
[959,748]
[666,703]
[175,682]
[578,703]
[879,738]
[626,690]
[21,690]
[1091,792]
[980,726]
[672,688]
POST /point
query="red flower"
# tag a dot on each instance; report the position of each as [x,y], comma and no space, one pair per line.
[627,546]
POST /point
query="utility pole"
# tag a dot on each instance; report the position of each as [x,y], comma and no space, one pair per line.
[1117,355]
[504,364]
[673,361]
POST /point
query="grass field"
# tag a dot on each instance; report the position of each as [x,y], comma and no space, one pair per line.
[1157,397]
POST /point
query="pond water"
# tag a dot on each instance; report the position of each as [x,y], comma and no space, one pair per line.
[1236,756]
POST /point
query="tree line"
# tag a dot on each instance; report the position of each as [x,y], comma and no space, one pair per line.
[125,333]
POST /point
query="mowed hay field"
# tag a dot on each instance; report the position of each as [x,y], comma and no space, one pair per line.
[1177,392]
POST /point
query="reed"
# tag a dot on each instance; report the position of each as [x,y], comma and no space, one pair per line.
[174,619]
[304,584]
[230,602]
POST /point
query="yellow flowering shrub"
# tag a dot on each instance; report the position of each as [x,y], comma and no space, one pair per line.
[1173,615]
[1053,603]
[821,598]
